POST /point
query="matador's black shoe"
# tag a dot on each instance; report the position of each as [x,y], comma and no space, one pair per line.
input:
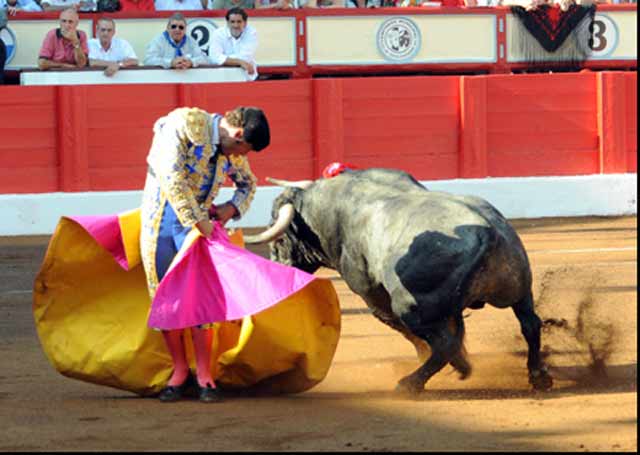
[210,394]
[175,392]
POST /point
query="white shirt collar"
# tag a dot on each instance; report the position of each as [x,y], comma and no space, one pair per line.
[229,35]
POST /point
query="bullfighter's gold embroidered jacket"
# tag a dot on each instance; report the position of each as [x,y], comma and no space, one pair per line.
[183,162]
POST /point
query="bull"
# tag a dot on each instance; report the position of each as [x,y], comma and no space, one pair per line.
[418,258]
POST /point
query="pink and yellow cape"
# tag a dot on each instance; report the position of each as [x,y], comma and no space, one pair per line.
[277,327]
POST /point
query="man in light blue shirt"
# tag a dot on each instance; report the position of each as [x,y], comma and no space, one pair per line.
[173,48]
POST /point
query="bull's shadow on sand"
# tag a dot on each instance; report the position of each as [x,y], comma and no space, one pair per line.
[577,380]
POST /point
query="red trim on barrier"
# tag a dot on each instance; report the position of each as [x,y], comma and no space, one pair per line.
[472,158]
[72,138]
[612,122]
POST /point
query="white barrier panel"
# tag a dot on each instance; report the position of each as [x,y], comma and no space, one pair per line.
[522,197]
[134,76]
[369,40]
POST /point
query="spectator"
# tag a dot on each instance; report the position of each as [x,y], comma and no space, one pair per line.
[228,4]
[13,6]
[235,44]
[137,5]
[173,48]
[61,5]
[109,52]
[3,47]
[66,46]
[180,5]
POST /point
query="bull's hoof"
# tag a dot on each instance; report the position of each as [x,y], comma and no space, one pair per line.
[541,380]
[464,373]
[463,368]
[407,387]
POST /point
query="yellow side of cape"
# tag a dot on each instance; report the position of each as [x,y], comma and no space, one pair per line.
[91,317]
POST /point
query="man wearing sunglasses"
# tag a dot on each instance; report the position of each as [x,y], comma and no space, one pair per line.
[174,48]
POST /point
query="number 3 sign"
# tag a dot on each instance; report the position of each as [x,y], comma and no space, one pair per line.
[605,36]
[201,30]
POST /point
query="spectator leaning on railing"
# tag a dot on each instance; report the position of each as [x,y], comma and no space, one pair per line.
[14,6]
[66,46]
[235,44]
[109,52]
[181,5]
[173,48]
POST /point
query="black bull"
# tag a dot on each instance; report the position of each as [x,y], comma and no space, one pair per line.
[418,258]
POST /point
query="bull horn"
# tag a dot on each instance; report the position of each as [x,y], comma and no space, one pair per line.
[285,215]
[302,184]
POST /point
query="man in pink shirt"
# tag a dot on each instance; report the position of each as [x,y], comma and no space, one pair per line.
[64,47]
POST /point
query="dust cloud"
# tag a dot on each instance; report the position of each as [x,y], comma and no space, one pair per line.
[580,331]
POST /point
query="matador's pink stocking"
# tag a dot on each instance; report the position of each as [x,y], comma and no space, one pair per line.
[175,344]
[202,347]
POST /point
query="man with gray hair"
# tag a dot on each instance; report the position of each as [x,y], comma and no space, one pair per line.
[108,52]
[174,48]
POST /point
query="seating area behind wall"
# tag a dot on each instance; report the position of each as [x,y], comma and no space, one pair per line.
[320,42]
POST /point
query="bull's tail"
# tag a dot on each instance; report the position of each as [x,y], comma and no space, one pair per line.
[459,361]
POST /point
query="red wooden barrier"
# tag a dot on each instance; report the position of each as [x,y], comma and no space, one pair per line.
[94,138]
[542,124]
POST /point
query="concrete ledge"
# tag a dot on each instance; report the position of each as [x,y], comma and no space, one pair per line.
[515,197]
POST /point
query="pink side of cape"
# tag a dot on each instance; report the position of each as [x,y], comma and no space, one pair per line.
[214,280]
[211,281]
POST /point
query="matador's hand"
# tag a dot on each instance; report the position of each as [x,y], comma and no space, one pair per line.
[205,227]
[224,212]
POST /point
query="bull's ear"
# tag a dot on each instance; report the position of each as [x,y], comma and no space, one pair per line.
[302,184]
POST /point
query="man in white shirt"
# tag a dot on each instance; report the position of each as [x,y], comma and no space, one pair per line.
[173,48]
[109,52]
[180,5]
[235,44]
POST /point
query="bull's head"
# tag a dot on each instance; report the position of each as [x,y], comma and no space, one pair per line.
[292,241]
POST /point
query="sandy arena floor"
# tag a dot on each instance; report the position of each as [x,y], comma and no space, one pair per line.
[584,272]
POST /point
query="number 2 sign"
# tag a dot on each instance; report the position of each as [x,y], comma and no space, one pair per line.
[201,30]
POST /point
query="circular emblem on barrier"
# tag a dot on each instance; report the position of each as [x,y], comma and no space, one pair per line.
[9,38]
[398,39]
[200,30]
